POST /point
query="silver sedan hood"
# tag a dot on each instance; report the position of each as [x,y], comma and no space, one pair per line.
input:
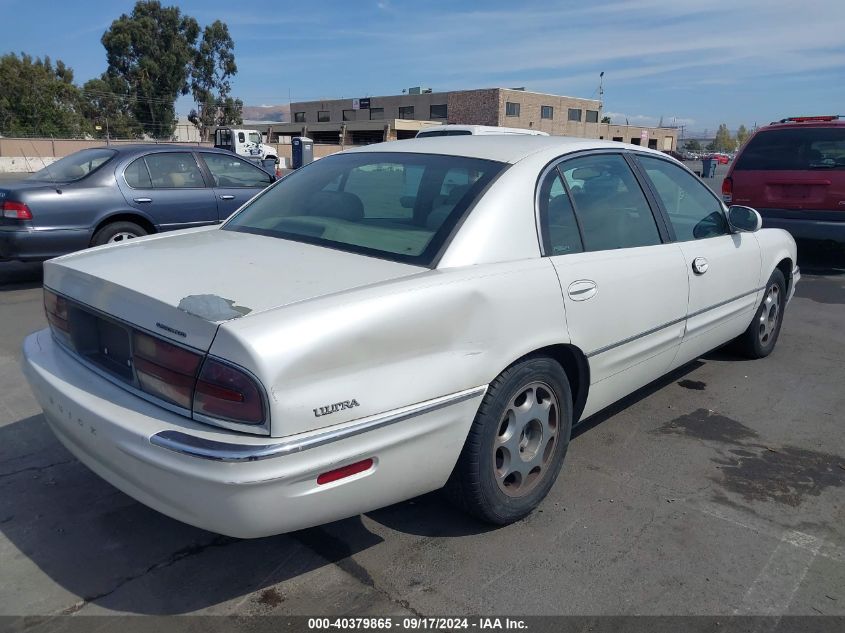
[183,285]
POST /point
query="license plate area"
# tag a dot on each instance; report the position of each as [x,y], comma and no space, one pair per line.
[101,342]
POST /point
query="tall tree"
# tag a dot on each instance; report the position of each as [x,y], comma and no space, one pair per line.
[214,64]
[723,141]
[693,145]
[150,53]
[107,104]
[742,135]
[38,98]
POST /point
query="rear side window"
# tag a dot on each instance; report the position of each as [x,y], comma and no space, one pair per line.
[229,171]
[797,148]
[612,210]
[558,226]
[137,175]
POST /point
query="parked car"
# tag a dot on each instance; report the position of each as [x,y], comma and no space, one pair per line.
[482,130]
[110,194]
[793,171]
[341,343]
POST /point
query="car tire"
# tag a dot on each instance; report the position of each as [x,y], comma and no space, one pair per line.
[517,443]
[117,232]
[760,338]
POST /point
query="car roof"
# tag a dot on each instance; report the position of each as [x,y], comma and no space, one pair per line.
[505,148]
[136,148]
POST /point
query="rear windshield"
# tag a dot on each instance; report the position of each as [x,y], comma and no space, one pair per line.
[795,148]
[444,133]
[74,167]
[396,206]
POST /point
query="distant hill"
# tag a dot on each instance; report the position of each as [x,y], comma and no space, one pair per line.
[267,113]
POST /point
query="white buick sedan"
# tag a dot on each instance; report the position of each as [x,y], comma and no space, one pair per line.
[395,319]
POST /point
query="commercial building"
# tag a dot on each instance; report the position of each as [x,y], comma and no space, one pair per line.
[376,119]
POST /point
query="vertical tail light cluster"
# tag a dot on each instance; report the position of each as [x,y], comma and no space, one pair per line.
[727,190]
[193,381]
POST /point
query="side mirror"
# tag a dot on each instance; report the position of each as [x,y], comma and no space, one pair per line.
[744,219]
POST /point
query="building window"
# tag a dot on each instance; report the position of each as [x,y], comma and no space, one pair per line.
[349,115]
[547,112]
[618,139]
[406,112]
[437,111]
[511,109]
[299,117]
[323,116]
[574,114]
[592,116]
[376,113]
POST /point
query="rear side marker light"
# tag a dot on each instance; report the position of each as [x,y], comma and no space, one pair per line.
[16,210]
[345,471]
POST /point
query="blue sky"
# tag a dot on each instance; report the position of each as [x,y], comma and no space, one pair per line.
[697,62]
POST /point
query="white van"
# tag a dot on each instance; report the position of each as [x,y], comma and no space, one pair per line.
[464,130]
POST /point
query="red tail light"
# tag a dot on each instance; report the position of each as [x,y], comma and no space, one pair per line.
[16,210]
[164,370]
[56,309]
[226,392]
[727,190]
[344,471]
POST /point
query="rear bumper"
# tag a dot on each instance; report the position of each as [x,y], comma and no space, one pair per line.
[807,225]
[254,489]
[36,245]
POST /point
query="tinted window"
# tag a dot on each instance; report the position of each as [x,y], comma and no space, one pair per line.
[511,109]
[241,137]
[592,116]
[558,227]
[392,205]
[547,112]
[299,117]
[574,114]
[74,167]
[437,112]
[349,115]
[444,133]
[174,170]
[229,171]
[794,148]
[612,209]
[137,175]
[376,113]
[323,116]
[693,211]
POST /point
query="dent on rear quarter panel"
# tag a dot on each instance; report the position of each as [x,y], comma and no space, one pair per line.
[396,343]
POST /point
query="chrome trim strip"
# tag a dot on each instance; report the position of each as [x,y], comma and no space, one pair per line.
[726,302]
[630,339]
[607,348]
[203,448]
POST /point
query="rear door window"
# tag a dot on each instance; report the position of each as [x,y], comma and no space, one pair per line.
[174,170]
[797,149]
[611,207]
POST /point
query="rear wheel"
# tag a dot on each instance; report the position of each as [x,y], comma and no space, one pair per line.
[517,443]
[117,232]
[760,338]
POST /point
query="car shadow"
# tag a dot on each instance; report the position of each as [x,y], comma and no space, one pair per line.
[92,540]
[20,275]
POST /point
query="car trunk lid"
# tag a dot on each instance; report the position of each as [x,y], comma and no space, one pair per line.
[182,286]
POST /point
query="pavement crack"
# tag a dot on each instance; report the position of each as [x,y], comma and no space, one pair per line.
[172,559]
[36,468]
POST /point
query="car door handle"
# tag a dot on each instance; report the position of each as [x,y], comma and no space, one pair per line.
[142,200]
[227,197]
[700,265]
[582,290]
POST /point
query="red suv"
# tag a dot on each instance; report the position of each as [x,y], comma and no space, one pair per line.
[793,173]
